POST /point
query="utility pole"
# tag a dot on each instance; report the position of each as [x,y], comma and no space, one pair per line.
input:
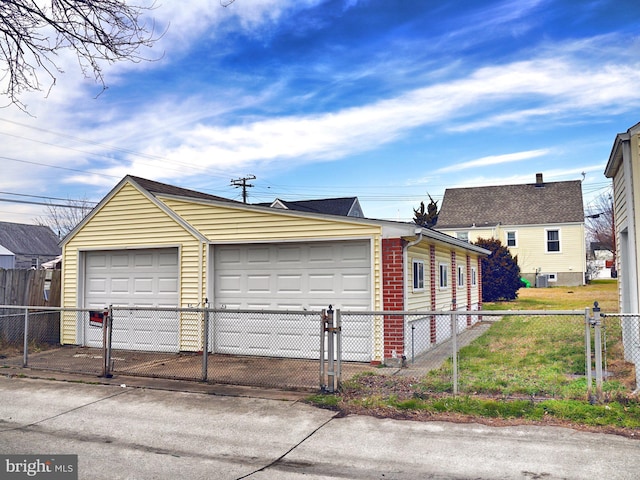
[242,182]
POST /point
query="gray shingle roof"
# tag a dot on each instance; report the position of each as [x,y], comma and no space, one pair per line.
[527,204]
[330,206]
[163,188]
[22,239]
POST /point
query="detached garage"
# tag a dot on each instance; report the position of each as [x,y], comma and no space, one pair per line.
[149,244]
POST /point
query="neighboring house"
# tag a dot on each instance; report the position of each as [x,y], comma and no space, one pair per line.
[600,262]
[540,223]
[623,168]
[346,207]
[31,245]
[152,244]
[7,259]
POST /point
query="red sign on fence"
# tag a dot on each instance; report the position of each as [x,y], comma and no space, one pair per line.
[96,318]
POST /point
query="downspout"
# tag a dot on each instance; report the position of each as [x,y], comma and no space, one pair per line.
[405,260]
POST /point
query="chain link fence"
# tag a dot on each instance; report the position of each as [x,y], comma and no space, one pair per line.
[508,353]
[277,349]
[621,347]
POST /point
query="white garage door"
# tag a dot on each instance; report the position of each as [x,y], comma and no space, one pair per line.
[141,278]
[291,276]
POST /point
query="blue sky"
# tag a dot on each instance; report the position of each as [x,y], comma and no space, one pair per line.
[386,101]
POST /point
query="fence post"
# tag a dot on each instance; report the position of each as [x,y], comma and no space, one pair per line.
[454,348]
[331,374]
[587,350]
[205,344]
[598,347]
[323,319]
[338,333]
[25,355]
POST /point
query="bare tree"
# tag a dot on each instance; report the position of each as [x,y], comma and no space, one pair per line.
[33,32]
[426,217]
[62,218]
[600,224]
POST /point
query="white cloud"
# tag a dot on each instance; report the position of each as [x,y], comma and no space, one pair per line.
[494,160]
[550,84]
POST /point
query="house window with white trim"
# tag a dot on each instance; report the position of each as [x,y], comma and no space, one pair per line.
[418,275]
[512,239]
[444,275]
[460,276]
[464,236]
[553,240]
[474,276]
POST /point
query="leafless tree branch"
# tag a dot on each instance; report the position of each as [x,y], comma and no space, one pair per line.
[33,32]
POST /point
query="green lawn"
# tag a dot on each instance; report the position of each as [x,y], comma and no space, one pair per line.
[524,367]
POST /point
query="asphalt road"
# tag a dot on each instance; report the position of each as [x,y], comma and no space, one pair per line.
[141,433]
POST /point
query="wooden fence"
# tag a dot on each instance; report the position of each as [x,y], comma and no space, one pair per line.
[28,287]
[33,288]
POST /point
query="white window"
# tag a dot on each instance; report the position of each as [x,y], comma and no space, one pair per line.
[464,236]
[552,277]
[512,239]
[474,276]
[444,275]
[418,275]
[460,276]
[553,240]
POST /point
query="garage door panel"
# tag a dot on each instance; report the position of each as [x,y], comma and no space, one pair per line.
[290,277]
[118,261]
[289,255]
[258,255]
[118,286]
[142,286]
[321,283]
[140,278]
[321,254]
[289,284]
[142,260]
[168,285]
[258,283]
[356,283]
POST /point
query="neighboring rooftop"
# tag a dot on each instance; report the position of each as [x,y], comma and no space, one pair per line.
[22,239]
[345,206]
[525,204]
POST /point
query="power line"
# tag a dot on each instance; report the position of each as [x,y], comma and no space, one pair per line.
[48,198]
[58,167]
[10,200]
[242,182]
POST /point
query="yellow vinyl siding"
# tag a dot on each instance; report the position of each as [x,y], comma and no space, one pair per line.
[420,300]
[221,224]
[106,230]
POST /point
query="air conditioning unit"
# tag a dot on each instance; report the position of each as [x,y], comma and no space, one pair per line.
[542,281]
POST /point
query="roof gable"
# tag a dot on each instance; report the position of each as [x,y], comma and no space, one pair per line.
[345,206]
[529,204]
[22,239]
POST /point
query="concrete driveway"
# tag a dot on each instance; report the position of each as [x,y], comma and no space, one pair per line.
[125,432]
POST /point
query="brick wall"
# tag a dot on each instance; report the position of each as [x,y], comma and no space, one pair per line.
[393,284]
